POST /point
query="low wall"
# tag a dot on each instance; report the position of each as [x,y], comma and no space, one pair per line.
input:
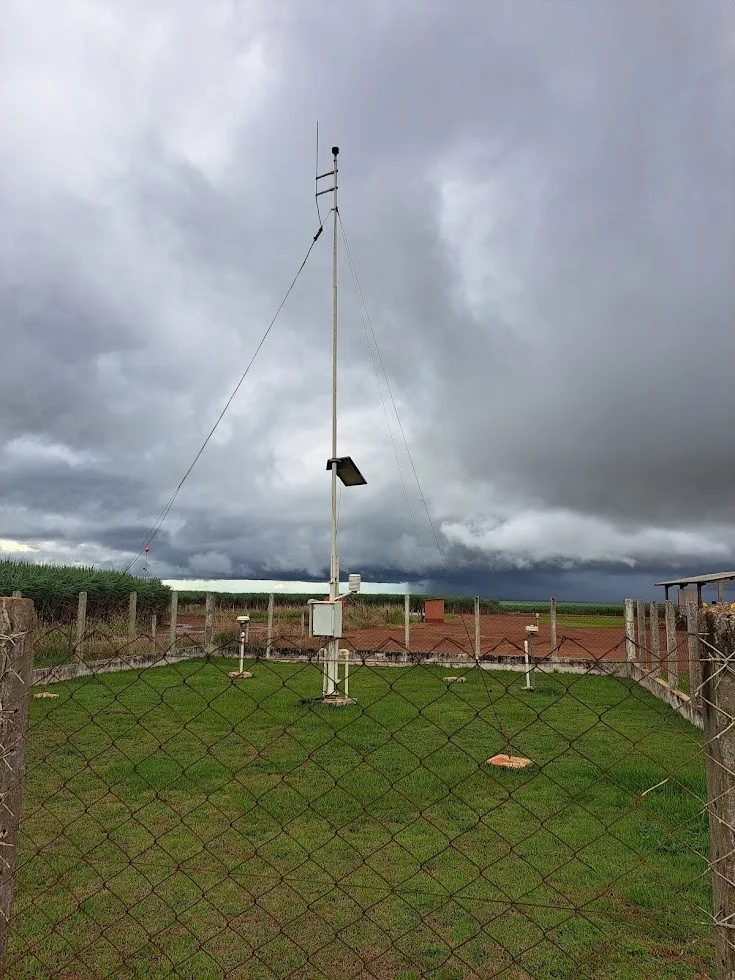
[70,672]
[677,700]
[374,658]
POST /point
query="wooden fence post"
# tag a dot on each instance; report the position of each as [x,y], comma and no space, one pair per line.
[209,624]
[17,628]
[672,653]
[630,631]
[172,627]
[477,627]
[655,655]
[132,615]
[552,614]
[406,626]
[81,627]
[642,651]
[695,667]
[717,668]
[269,642]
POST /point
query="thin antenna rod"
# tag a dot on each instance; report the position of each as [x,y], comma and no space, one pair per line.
[316,177]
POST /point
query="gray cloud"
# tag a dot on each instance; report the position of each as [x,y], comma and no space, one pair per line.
[539,202]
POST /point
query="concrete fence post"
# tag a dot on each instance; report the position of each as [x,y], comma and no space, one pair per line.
[154,626]
[81,627]
[209,624]
[477,627]
[672,653]
[552,620]
[629,618]
[269,638]
[695,667]
[132,615]
[17,629]
[717,667]
[406,625]
[174,615]
[654,625]
[642,651]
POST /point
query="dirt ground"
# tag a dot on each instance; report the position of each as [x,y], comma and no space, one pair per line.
[499,634]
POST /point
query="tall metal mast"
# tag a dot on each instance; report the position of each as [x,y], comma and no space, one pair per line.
[334,562]
[329,626]
[331,668]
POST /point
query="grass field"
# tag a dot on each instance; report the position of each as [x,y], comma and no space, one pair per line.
[179,824]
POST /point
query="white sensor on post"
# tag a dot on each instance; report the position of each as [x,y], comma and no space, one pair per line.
[354,582]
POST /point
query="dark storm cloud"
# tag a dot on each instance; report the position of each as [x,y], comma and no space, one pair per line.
[539,202]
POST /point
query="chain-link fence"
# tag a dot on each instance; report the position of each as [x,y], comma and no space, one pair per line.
[194,809]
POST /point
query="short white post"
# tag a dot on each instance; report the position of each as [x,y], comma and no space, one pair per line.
[345,658]
[330,681]
[269,642]
[81,626]
[172,627]
[477,627]
[244,623]
[529,651]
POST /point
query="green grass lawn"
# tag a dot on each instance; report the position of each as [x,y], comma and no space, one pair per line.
[179,824]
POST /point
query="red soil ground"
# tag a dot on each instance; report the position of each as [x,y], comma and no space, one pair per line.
[499,634]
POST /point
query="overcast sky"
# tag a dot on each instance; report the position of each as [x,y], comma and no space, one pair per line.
[540,200]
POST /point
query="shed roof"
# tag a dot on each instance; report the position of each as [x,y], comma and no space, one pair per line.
[700,579]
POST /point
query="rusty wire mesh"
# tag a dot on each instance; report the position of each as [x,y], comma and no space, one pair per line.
[181,821]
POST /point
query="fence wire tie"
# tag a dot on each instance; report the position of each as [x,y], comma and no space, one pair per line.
[725,923]
[12,637]
[652,788]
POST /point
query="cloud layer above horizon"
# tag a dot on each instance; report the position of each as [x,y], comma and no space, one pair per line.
[540,206]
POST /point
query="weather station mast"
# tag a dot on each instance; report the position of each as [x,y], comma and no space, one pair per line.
[325,617]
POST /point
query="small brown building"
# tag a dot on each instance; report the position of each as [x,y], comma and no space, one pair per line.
[434,611]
